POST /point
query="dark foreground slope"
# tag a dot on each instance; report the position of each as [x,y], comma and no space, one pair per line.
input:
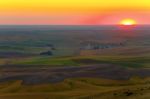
[37,75]
[103,81]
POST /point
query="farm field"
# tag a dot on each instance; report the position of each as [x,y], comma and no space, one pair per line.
[74,62]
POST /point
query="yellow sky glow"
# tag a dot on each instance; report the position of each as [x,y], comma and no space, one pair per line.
[73,5]
[48,8]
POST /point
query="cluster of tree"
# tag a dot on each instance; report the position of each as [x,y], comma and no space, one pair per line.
[49,53]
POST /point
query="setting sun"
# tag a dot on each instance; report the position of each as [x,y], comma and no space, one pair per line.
[128,22]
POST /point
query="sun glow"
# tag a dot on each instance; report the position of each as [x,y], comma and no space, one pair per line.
[128,22]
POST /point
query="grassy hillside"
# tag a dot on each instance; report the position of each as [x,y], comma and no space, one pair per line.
[79,88]
[77,48]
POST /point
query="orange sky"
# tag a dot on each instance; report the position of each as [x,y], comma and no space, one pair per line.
[73,12]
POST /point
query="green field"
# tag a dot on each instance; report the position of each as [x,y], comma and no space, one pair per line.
[121,58]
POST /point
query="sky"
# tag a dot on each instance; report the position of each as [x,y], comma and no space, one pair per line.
[73,12]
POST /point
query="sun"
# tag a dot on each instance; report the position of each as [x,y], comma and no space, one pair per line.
[128,22]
